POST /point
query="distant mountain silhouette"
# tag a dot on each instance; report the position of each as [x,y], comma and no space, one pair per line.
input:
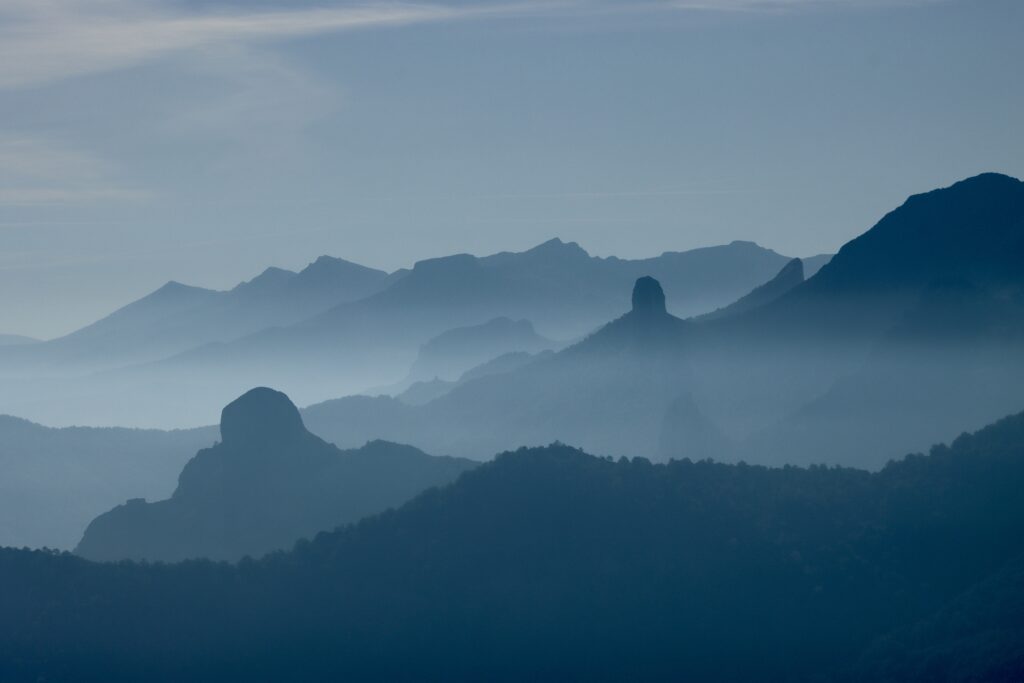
[54,481]
[878,354]
[452,353]
[609,392]
[268,483]
[559,287]
[791,275]
[372,342]
[130,334]
[778,363]
[550,564]
[971,231]
[177,317]
[326,282]
[748,374]
[419,393]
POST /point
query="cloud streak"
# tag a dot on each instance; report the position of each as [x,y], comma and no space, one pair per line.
[58,39]
[43,41]
[37,172]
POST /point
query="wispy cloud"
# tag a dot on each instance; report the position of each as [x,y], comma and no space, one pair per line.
[47,40]
[37,172]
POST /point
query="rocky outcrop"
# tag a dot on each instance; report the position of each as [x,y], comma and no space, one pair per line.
[648,297]
[267,484]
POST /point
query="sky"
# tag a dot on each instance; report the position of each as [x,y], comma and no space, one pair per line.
[148,140]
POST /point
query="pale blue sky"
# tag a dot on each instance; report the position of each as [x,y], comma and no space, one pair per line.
[147,140]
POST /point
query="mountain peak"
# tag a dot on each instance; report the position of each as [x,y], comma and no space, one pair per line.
[648,297]
[332,267]
[969,230]
[557,246]
[268,279]
[173,286]
[259,416]
[173,290]
[327,262]
[990,179]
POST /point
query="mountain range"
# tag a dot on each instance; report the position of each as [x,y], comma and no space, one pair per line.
[174,357]
[178,317]
[867,359]
[898,355]
[721,548]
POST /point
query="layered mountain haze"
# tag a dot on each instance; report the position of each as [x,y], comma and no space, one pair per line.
[924,314]
[267,484]
[953,361]
[911,334]
[971,231]
[754,379]
[607,393]
[102,374]
[450,354]
[274,330]
[560,288]
[419,393]
[525,341]
[177,317]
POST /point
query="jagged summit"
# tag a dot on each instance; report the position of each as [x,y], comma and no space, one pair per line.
[260,416]
[648,297]
[324,259]
[269,278]
[332,266]
[556,246]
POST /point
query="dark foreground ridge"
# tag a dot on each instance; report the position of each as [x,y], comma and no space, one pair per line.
[266,485]
[549,564]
